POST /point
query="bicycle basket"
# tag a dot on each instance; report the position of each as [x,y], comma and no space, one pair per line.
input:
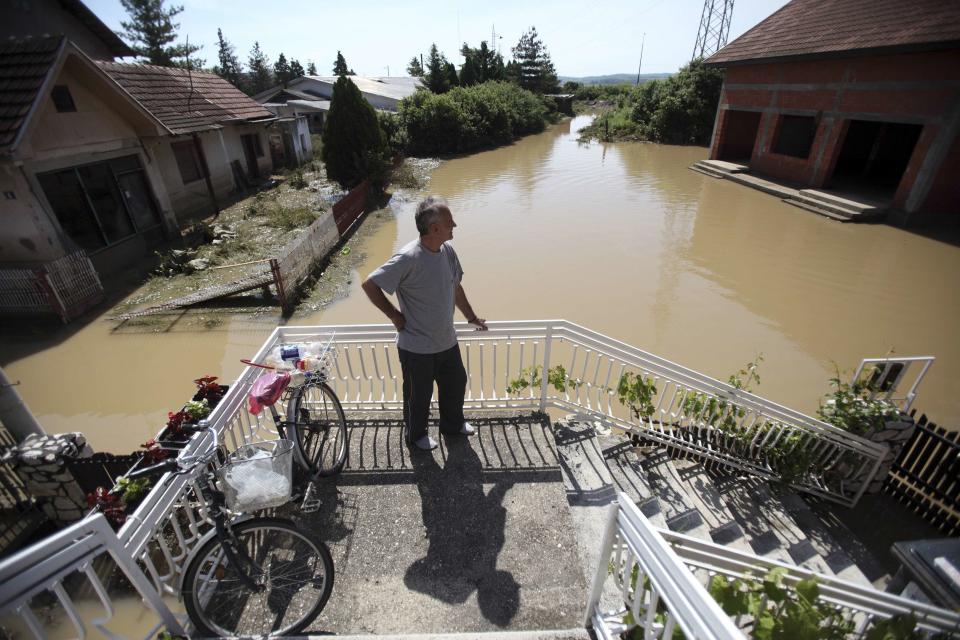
[257,475]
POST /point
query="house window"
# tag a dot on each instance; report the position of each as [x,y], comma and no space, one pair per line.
[102,203]
[795,136]
[188,161]
[62,99]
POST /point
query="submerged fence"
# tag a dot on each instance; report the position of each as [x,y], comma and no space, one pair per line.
[926,475]
[67,286]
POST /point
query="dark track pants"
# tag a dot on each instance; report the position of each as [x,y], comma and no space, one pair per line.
[420,370]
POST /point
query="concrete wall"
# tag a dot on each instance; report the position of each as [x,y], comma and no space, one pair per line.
[914,88]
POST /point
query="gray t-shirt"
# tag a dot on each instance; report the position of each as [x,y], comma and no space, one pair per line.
[426,285]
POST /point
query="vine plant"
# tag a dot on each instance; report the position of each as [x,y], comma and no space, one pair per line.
[776,611]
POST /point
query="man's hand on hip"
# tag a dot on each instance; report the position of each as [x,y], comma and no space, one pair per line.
[398,321]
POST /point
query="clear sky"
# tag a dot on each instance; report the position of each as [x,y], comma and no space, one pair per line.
[583,38]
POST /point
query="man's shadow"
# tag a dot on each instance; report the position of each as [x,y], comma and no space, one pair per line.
[466,532]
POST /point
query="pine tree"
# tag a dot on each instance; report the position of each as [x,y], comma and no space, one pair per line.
[311,68]
[414,68]
[436,72]
[468,73]
[229,68]
[281,70]
[151,31]
[354,145]
[451,72]
[260,77]
[536,71]
[340,67]
[296,69]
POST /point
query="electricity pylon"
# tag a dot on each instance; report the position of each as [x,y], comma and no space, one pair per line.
[714,27]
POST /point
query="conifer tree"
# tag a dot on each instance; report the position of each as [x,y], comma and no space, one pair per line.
[451,72]
[536,72]
[296,69]
[414,68]
[152,32]
[340,67]
[436,72]
[229,67]
[354,145]
[281,70]
[468,73]
[259,64]
[311,68]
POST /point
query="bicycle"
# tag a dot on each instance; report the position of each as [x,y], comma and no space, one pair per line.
[314,418]
[250,575]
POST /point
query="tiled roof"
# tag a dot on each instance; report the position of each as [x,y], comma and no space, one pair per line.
[821,27]
[24,65]
[183,101]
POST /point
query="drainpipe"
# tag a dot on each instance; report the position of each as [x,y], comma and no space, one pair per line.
[206,175]
[14,414]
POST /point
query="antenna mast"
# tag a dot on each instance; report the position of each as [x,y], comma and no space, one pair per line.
[714,27]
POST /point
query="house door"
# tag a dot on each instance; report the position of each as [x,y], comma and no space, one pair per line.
[250,144]
[738,135]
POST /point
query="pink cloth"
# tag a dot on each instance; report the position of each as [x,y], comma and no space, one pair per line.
[267,389]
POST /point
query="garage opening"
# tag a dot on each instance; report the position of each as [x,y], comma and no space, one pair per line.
[739,135]
[874,156]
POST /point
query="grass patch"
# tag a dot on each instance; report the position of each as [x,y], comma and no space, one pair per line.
[289,218]
[406,177]
[612,125]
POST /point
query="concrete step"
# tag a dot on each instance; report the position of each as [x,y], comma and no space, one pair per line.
[706,171]
[770,528]
[707,500]
[559,634]
[809,206]
[629,476]
[678,507]
[722,166]
[760,184]
[834,553]
[853,206]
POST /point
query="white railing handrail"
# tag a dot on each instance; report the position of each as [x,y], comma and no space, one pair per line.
[906,401]
[671,583]
[719,559]
[44,566]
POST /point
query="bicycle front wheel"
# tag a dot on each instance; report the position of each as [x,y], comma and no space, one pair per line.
[319,428]
[292,568]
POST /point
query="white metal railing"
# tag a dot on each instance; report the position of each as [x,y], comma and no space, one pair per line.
[889,373]
[658,592]
[859,604]
[738,429]
[660,576]
[67,555]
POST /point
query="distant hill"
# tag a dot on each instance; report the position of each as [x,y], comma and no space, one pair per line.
[616,78]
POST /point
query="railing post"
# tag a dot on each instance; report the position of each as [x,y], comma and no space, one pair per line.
[600,577]
[547,342]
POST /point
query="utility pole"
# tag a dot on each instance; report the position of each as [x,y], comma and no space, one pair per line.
[642,42]
[714,28]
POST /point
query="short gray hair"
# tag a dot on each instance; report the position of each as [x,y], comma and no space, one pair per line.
[428,212]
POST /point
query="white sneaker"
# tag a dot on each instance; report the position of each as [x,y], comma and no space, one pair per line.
[426,443]
[468,429]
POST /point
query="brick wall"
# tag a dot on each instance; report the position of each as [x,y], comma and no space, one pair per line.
[916,88]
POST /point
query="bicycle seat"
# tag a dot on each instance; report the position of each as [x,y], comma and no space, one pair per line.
[267,389]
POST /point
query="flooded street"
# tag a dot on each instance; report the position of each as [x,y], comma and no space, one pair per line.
[621,238]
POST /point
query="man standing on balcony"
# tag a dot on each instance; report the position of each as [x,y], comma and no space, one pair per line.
[425,274]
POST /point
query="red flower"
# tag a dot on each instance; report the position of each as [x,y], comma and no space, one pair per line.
[109,504]
[154,452]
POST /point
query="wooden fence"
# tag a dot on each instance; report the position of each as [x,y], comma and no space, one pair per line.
[67,286]
[926,475]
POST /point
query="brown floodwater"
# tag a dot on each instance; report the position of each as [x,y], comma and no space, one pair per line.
[622,238]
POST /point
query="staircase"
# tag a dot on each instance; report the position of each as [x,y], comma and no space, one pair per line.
[836,207]
[743,513]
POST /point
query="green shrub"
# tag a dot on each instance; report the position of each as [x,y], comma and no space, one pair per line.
[287,219]
[468,118]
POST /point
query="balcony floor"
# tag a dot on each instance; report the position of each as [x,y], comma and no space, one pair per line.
[473,536]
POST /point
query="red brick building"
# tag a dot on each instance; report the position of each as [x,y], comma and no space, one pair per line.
[857,96]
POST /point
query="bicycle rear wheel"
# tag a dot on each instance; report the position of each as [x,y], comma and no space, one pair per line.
[319,428]
[293,565]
